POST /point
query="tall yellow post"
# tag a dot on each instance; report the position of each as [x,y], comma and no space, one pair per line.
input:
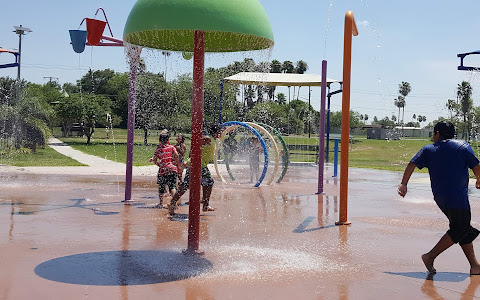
[350,29]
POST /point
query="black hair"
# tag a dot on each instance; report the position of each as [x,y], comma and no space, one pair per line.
[445,129]
[164,137]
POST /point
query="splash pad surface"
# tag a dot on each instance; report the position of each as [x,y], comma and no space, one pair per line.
[69,235]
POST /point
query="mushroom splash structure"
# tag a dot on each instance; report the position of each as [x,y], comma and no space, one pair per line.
[198,26]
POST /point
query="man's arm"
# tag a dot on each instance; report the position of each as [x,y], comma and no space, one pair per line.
[476,171]
[402,188]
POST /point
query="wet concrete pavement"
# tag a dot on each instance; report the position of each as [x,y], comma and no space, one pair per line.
[69,236]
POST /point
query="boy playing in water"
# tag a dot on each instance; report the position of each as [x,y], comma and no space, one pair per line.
[448,161]
[208,149]
[166,158]
[181,149]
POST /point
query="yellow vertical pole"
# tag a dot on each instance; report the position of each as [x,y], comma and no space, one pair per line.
[350,29]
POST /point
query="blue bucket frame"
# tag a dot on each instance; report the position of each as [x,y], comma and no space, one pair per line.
[79,40]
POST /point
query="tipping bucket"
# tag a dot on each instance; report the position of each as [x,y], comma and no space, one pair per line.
[95,31]
[78,38]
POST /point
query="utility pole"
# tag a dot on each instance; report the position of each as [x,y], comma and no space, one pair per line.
[50,78]
[20,31]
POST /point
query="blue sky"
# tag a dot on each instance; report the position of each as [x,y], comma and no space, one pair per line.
[413,41]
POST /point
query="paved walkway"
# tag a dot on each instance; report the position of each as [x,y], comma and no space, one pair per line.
[95,164]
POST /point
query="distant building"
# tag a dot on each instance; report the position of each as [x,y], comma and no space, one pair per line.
[415,132]
[376,132]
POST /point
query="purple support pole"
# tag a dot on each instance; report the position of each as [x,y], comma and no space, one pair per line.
[134,56]
[321,131]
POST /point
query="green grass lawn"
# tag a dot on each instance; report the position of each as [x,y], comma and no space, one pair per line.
[42,158]
[383,154]
[374,154]
[115,147]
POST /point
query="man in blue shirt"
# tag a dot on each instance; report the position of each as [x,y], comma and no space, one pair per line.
[448,162]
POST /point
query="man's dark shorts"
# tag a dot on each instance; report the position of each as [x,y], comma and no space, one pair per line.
[169,180]
[207,179]
[460,229]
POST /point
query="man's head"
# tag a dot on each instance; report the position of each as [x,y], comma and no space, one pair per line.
[164,136]
[443,130]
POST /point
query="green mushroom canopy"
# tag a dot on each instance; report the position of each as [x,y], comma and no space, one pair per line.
[229,25]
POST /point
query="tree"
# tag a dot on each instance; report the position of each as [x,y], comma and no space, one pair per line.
[68,112]
[386,123]
[287,67]
[70,88]
[400,103]
[421,118]
[49,93]
[95,82]
[404,89]
[453,107]
[84,109]
[281,98]
[270,113]
[336,119]
[151,103]
[275,67]
[117,89]
[300,69]
[166,54]
[8,90]
[93,107]
[464,93]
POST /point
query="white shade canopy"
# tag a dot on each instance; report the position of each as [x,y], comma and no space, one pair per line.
[277,79]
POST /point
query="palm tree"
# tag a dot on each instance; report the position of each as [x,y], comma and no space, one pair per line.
[404,89]
[300,69]
[400,103]
[421,119]
[166,54]
[288,67]
[451,106]
[275,67]
[281,98]
[464,92]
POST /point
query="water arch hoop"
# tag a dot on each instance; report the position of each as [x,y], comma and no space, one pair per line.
[266,133]
[231,126]
[258,127]
[284,146]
